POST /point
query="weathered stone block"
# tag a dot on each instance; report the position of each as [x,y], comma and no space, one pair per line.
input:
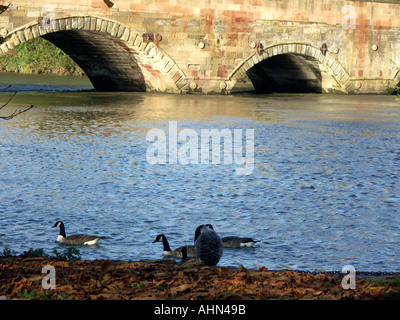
[126,34]
[4,48]
[21,37]
[104,26]
[93,23]
[28,34]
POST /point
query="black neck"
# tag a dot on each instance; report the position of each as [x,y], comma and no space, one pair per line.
[197,232]
[166,244]
[184,253]
[62,230]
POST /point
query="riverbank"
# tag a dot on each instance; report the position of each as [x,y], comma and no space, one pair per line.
[39,56]
[21,278]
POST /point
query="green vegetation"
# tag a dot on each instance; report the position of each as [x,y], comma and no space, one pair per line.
[49,295]
[7,252]
[380,283]
[33,253]
[39,56]
[392,88]
[161,287]
[396,90]
[69,254]
[28,295]
[142,285]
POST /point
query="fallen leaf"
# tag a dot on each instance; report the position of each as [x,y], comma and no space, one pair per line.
[35,278]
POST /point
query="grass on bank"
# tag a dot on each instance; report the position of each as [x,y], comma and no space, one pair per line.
[39,56]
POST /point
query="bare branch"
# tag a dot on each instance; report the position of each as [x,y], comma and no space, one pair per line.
[9,86]
[8,100]
[16,112]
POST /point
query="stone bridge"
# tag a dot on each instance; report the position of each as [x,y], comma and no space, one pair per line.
[218,46]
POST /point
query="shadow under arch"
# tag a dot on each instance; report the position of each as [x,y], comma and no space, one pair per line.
[113,55]
[291,68]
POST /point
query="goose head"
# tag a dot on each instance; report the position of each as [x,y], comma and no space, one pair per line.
[200,229]
[162,238]
[159,238]
[58,224]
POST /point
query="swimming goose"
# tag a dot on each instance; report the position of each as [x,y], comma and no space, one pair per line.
[75,239]
[238,242]
[208,245]
[177,253]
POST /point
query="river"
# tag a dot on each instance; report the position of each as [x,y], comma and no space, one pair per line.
[323,190]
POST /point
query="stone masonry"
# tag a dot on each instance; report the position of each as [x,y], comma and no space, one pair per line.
[219,46]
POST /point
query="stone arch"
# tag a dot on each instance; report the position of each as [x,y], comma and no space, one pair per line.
[113,55]
[327,62]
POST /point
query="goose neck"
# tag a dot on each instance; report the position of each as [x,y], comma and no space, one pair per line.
[62,230]
[166,244]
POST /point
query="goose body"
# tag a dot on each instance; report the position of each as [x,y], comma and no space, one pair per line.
[178,252]
[75,239]
[208,245]
[238,242]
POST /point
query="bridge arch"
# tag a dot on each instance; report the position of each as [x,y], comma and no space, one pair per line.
[113,55]
[305,58]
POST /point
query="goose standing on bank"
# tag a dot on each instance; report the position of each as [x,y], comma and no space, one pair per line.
[208,245]
[177,253]
[75,239]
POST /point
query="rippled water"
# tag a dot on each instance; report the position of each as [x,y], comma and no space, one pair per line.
[324,191]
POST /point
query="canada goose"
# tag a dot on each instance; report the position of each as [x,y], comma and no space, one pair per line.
[238,242]
[208,245]
[177,253]
[75,239]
